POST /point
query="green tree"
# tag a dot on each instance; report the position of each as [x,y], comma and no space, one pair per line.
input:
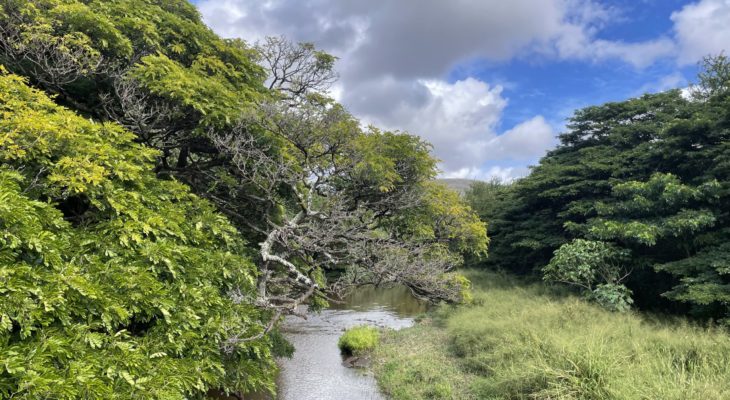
[348,200]
[150,65]
[287,165]
[648,175]
[113,284]
[662,208]
[607,143]
[594,266]
[486,197]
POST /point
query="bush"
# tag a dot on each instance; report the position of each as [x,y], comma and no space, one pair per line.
[359,340]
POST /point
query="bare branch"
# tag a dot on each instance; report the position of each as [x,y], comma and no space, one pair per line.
[296,69]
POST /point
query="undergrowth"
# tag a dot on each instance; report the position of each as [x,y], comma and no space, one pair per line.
[520,341]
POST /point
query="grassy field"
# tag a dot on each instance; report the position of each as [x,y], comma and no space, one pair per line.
[521,342]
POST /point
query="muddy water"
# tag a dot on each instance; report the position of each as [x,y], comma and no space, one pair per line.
[316,371]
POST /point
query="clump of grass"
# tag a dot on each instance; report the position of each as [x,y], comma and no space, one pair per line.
[523,342]
[359,340]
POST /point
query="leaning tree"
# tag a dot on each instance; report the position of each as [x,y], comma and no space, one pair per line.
[311,190]
[361,202]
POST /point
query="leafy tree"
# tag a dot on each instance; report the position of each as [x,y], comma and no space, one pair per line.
[114,284]
[486,197]
[594,266]
[647,175]
[604,143]
[294,172]
[346,200]
[152,66]
[296,69]
[661,208]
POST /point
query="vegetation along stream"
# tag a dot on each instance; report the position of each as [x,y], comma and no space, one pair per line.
[171,199]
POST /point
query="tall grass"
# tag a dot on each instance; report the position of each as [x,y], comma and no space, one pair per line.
[521,342]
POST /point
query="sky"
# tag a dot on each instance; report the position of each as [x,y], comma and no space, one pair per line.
[490,83]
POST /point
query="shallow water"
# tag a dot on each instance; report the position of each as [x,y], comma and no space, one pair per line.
[316,372]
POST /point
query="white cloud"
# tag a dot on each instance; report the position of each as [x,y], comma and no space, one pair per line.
[702,29]
[578,40]
[640,55]
[425,38]
[504,174]
[394,56]
[460,119]
[511,151]
[525,142]
[666,82]
[457,118]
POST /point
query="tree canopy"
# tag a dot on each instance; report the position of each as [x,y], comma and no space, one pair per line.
[173,194]
[647,177]
[115,284]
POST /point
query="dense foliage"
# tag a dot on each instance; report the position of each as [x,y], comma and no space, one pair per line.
[646,180]
[114,284]
[262,143]
[120,275]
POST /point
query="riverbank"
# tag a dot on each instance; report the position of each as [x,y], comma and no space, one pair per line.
[317,370]
[521,342]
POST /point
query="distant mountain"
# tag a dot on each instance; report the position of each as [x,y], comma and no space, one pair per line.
[460,185]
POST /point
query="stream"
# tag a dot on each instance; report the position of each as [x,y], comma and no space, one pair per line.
[316,370]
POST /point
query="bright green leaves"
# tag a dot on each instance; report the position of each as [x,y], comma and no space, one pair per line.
[41,42]
[663,190]
[585,262]
[703,276]
[662,207]
[152,66]
[385,160]
[648,231]
[596,267]
[203,88]
[30,228]
[78,18]
[113,284]
[613,297]
[58,144]
[578,262]
[389,161]
[451,218]
[374,166]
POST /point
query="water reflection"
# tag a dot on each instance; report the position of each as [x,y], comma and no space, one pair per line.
[397,299]
[316,370]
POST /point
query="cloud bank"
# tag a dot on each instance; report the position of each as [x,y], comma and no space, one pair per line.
[394,56]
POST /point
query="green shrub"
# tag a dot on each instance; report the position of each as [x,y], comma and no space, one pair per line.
[359,340]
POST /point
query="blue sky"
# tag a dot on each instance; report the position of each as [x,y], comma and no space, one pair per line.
[554,88]
[488,82]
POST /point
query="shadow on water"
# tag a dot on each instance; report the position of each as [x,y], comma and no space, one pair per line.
[316,370]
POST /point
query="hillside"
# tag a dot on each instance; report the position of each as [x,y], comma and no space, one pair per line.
[460,185]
